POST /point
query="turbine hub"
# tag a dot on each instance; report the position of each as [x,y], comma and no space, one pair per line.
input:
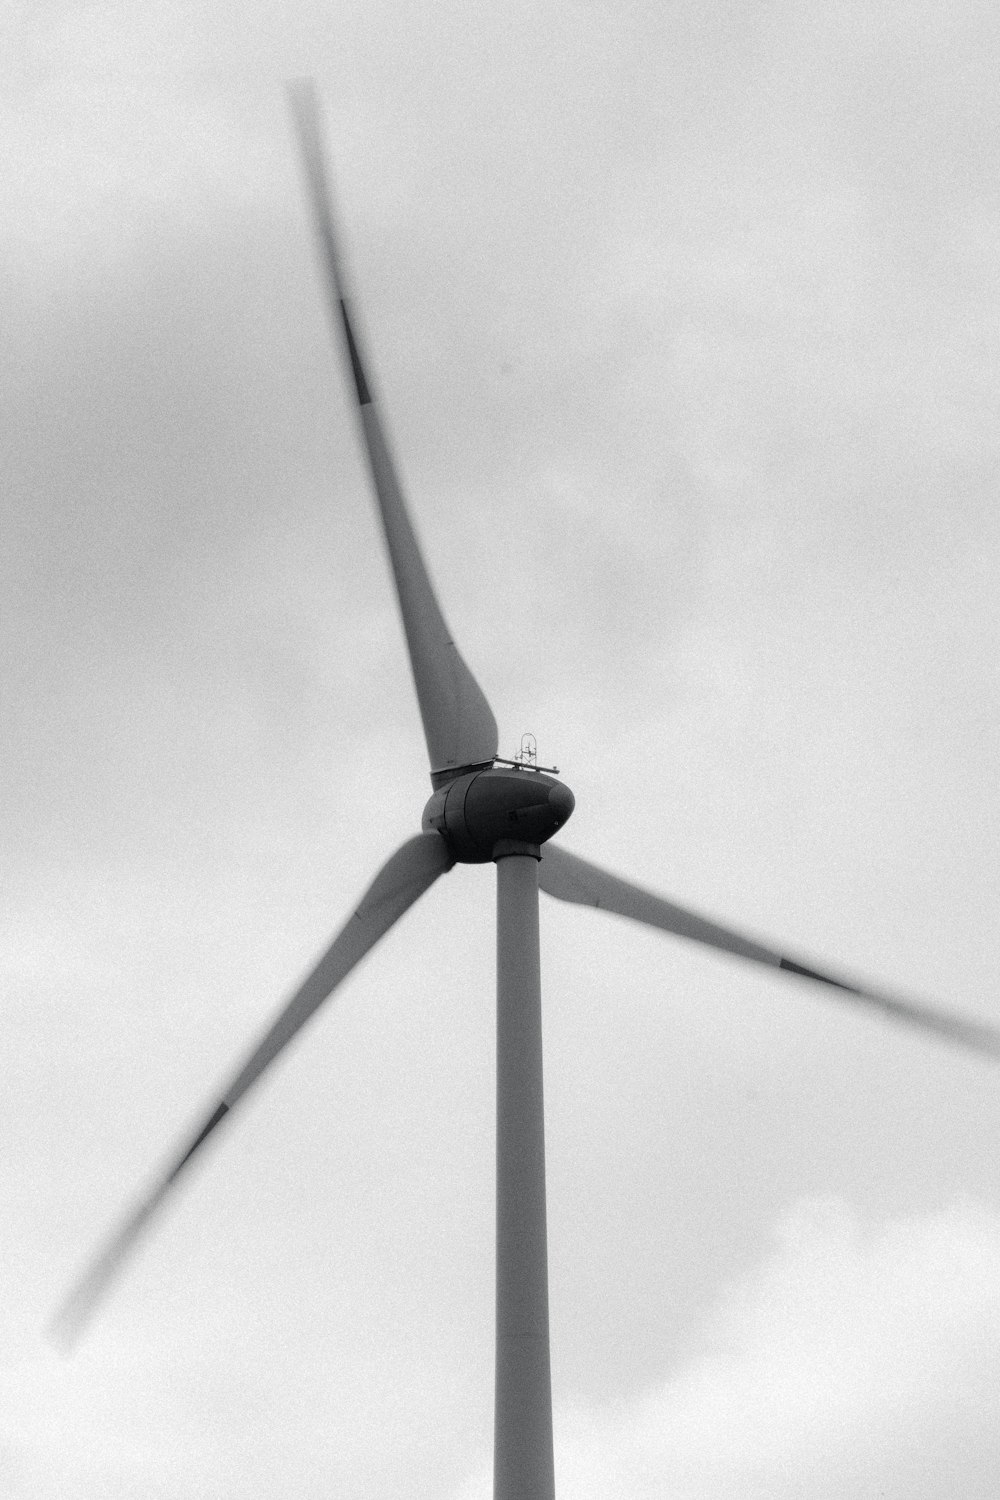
[477,811]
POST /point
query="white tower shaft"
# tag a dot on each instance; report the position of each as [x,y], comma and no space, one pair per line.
[522,1449]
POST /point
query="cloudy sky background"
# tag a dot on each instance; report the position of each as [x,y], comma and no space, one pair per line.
[685,318]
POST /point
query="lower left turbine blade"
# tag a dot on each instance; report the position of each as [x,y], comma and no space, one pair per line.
[401,881]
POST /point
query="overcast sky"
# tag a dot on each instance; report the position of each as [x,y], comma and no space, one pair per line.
[685,319]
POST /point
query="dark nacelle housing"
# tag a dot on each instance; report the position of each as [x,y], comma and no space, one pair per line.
[478,810]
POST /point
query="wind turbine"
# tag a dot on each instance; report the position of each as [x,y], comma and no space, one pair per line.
[483,809]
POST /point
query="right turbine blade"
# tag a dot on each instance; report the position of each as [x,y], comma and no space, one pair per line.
[459,726]
[403,878]
[569,878]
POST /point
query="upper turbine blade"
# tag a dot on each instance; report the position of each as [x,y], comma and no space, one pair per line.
[404,877]
[569,878]
[459,726]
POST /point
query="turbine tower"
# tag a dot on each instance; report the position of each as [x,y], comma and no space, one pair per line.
[482,810]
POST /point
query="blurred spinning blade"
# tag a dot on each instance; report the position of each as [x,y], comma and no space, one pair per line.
[403,878]
[567,877]
[459,726]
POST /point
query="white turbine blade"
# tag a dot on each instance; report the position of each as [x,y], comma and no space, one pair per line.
[569,878]
[459,726]
[404,877]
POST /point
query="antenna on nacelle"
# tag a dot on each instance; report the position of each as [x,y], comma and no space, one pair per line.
[526,758]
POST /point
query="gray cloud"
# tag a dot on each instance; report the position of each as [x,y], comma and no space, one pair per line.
[857,1359]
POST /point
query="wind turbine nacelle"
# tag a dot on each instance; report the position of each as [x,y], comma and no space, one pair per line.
[477,811]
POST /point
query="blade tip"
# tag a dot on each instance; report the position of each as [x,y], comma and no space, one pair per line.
[302,91]
[66,1327]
